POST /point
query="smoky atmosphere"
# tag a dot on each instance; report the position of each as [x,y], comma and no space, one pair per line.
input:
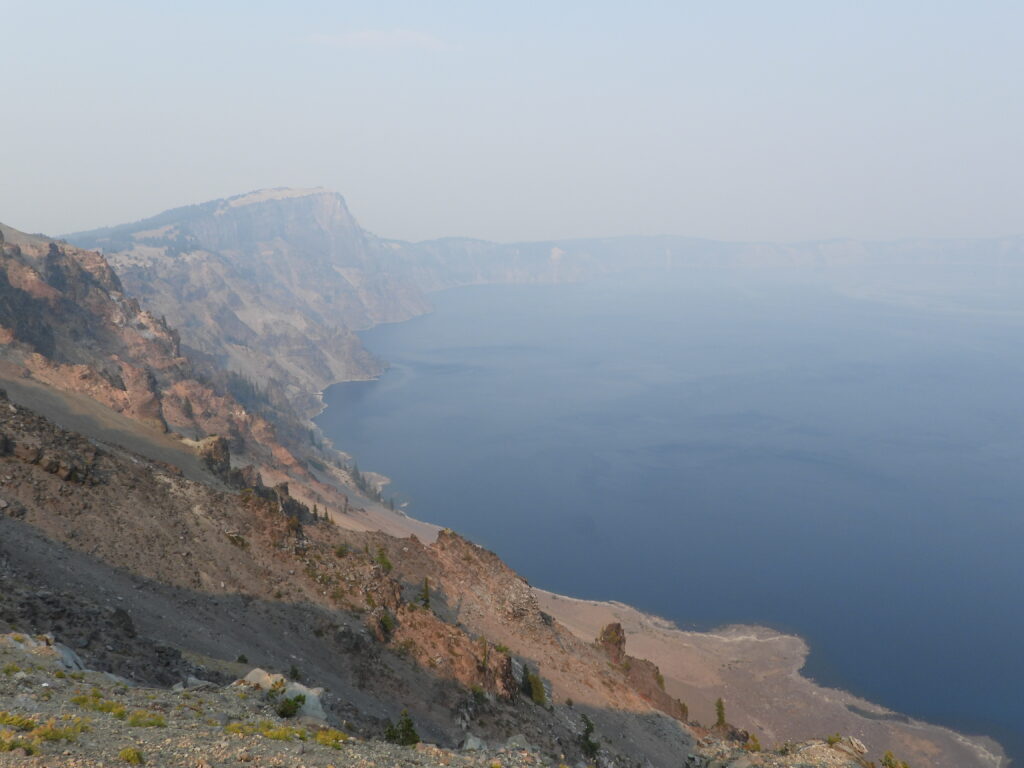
[511,386]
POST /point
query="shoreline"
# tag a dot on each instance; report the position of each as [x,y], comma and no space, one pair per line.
[757,670]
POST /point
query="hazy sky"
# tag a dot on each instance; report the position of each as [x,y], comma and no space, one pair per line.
[520,120]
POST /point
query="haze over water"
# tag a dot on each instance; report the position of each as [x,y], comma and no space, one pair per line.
[835,453]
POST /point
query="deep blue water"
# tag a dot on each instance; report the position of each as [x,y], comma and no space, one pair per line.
[720,446]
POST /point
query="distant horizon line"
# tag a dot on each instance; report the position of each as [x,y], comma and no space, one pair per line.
[300,192]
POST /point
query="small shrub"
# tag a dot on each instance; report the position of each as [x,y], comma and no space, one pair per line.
[60,674]
[50,731]
[8,744]
[11,669]
[661,680]
[240,729]
[132,756]
[719,712]
[752,745]
[290,705]
[537,692]
[588,746]
[143,719]
[404,732]
[834,739]
[293,673]
[17,722]
[242,659]
[383,561]
[329,737]
[96,703]
[533,686]
[341,550]
[280,732]
[889,761]
[387,623]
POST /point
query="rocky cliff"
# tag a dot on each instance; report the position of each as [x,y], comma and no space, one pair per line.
[272,284]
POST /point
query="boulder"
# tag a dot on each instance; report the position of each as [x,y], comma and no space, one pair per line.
[518,741]
[473,743]
[68,658]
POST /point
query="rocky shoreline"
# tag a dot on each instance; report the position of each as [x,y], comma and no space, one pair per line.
[757,671]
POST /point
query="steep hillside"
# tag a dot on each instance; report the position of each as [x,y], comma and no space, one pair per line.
[210,575]
[67,329]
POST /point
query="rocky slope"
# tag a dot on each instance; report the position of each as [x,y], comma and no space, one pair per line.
[174,579]
[67,325]
[57,713]
[214,574]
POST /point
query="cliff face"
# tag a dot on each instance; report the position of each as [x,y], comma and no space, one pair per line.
[269,284]
[65,318]
[66,322]
[272,284]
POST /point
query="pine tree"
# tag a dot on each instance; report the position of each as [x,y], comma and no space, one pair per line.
[720,712]
[424,596]
[404,732]
[588,746]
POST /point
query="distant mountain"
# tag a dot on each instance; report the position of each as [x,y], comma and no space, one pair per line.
[272,284]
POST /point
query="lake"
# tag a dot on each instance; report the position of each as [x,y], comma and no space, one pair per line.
[831,452]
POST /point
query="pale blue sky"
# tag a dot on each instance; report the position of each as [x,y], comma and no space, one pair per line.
[731,120]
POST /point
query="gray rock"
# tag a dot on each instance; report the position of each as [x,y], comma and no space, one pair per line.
[517,741]
[119,680]
[68,658]
[473,743]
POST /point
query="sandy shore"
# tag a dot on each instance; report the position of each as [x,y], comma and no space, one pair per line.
[757,672]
